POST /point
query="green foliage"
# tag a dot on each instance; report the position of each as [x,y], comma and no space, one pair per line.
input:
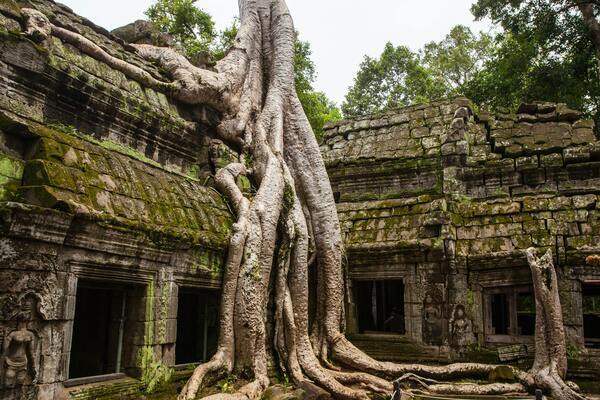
[393,80]
[318,108]
[225,40]
[227,385]
[192,28]
[470,298]
[400,77]
[458,57]
[572,352]
[543,52]
[155,375]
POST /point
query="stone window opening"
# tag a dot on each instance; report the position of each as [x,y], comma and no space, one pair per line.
[591,314]
[197,325]
[509,313]
[99,330]
[380,306]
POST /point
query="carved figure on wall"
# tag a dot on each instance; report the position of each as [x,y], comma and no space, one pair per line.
[460,330]
[18,349]
[432,328]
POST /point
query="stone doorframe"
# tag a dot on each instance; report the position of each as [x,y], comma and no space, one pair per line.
[101,273]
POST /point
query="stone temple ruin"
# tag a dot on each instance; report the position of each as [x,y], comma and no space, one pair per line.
[112,238]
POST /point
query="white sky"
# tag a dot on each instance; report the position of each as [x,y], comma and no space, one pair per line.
[340,32]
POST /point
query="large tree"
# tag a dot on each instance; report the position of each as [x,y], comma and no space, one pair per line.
[400,77]
[289,225]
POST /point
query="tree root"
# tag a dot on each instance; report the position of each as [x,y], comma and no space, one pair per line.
[467,389]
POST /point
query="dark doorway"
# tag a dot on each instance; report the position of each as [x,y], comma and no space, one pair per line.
[591,315]
[500,314]
[526,314]
[197,325]
[380,306]
[97,330]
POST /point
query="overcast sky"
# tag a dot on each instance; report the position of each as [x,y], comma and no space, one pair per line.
[341,32]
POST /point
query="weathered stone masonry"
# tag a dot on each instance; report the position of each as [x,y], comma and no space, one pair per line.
[105,186]
[103,183]
[446,198]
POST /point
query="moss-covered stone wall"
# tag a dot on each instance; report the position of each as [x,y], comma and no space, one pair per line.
[472,190]
[103,182]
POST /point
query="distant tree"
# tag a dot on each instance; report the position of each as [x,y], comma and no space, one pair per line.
[319,109]
[395,79]
[458,57]
[401,77]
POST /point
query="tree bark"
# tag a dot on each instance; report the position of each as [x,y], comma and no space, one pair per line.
[590,20]
[550,363]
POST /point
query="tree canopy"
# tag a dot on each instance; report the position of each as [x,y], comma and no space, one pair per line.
[542,50]
[400,77]
[543,53]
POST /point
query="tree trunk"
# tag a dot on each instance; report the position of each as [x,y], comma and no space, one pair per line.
[550,363]
[290,221]
[590,20]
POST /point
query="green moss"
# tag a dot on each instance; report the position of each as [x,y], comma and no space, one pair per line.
[289,197]
[470,298]
[155,375]
[163,313]
[41,172]
[10,7]
[10,167]
[11,172]
[572,352]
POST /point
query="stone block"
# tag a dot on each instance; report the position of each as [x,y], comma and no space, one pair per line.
[543,239]
[170,331]
[514,150]
[534,204]
[430,142]
[527,118]
[534,177]
[526,162]
[506,117]
[399,118]
[548,117]
[491,245]
[522,241]
[534,226]
[567,114]
[584,201]
[551,160]
[448,149]
[462,147]
[527,108]
[560,203]
[563,228]
[419,132]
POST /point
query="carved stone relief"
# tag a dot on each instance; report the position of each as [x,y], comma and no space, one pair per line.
[433,317]
[461,331]
[19,359]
